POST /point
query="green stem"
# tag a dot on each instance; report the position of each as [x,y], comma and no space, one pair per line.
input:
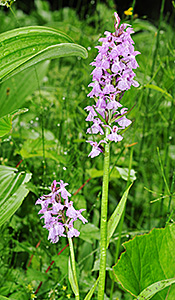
[122,219]
[72,256]
[117,250]
[133,6]
[103,223]
[14,16]
[171,192]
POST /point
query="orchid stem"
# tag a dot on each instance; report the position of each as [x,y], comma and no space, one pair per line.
[103,222]
[72,256]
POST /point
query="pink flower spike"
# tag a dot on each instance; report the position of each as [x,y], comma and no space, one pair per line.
[59,213]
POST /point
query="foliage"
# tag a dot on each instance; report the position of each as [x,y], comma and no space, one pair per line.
[48,141]
[147,259]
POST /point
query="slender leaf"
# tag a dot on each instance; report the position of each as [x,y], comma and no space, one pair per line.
[153,289]
[71,279]
[112,225]
[23,47]
[158,89]
[12,191]
[92,290]
[115,218]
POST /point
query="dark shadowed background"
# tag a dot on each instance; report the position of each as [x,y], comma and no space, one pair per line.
[147,8]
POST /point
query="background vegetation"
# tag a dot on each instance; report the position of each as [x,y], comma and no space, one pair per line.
[48,141]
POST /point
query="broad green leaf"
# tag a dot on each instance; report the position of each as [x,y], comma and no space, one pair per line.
[13,91]
[115,218]
[71,279]
[33,274]
[93,173]
[86,259]
[12,191]
[5,125]
[153,289]
[4,298]
[89,232]
[158,89]
[6,121]
[116,173]
[61,261]
[34,148]
[124,173]
[148,258]
[23,47]
[18,295]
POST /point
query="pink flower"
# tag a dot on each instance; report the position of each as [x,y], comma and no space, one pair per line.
[55,218]
[96,149]
[112,77]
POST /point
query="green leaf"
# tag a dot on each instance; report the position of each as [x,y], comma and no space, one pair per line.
[96,266]
[5,125]
[6,121]
[12,191]
[158,89]
[89,232]
[36,275]
[124,173]
[34,148]
[115,218]
[93,173]
[15,89]
[172,152]
[148,258]
[112,225]
[143,25]
[18,295]
[4,298]
[117,172]
[153,289]
[23,47]
[23,247]
[71,279]
[92,290]
[61,261]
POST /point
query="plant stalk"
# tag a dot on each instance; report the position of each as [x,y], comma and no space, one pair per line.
[72,256]
[103,223]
